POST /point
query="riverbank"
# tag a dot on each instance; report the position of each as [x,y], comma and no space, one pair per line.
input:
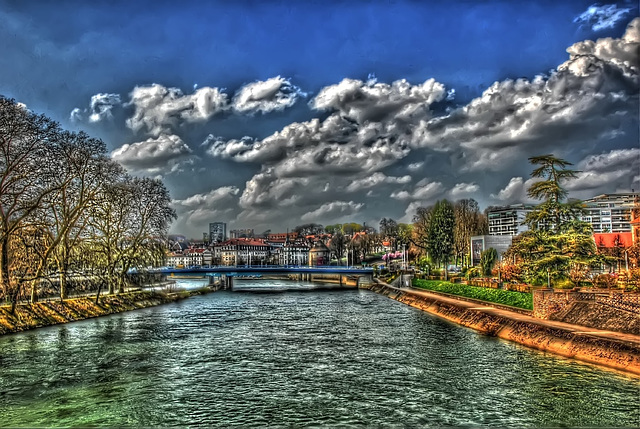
[49,313]
[612,349]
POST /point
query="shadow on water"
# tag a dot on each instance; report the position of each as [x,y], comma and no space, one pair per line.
[292,289]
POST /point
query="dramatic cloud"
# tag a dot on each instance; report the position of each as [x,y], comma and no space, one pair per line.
[601,17]
[375,180]
[154,155]
[515,192]
[159,109]
[273,94]
[359,139]
[332,210]
[607,172]
[463,189]
[424,191]
[199,209]
[596,89]
[372,101]
[99,109]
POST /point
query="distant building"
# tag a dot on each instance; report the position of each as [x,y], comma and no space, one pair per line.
[241,233]
[319,254]
[239,251]
[610,212]
[283,236]
[217,232]
[189,258]
[294,254]
[508,220]
[480,243]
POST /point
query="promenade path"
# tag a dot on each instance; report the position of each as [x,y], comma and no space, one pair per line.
[487,307]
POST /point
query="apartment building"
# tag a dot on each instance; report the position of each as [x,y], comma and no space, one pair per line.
[508,220]
[610,212]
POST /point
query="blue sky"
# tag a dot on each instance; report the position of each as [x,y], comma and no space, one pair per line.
[322,148]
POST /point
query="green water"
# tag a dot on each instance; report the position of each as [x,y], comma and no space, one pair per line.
[272,354]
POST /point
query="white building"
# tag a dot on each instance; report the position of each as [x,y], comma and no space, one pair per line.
[508,220]
[610,212]
[294,254]
[239,251]
[189,258]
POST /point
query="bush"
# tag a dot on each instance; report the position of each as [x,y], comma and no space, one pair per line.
[514,299]
[605,281]
[563,284]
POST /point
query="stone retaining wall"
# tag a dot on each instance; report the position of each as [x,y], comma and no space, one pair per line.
[603,351]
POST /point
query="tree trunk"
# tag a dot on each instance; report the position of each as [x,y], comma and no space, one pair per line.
[446,271]
[4,267]
[34,291]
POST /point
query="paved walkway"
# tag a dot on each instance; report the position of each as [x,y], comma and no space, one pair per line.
[487,308]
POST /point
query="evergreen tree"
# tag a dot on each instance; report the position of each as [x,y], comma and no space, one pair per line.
[440,234]
[550,214]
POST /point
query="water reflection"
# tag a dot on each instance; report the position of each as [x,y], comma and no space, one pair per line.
[304,357]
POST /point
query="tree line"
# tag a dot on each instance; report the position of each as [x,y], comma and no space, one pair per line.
[66,207]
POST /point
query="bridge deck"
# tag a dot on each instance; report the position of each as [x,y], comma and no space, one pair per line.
[266,270]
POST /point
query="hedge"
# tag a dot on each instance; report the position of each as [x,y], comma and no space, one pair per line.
[499,296]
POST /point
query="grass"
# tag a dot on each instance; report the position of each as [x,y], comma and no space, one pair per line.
[506,297]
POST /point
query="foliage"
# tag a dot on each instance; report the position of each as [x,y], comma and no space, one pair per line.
[605,281]
[67,207]
[309,229]
[488,259]
[440,232]
[512,298]
[552,212]
[553,253]
[338,245]
[557,246]
[468,222]
[511,273]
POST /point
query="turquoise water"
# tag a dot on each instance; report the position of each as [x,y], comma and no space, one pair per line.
[274,353]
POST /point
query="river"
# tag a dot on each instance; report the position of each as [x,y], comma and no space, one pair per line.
[279,353]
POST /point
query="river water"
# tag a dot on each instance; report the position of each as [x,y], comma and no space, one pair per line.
[288,354]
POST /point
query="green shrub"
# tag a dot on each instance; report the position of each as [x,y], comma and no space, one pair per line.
[512,298]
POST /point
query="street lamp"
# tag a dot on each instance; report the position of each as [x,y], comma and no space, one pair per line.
[626,260]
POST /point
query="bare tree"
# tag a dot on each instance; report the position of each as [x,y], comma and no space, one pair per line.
[25,178]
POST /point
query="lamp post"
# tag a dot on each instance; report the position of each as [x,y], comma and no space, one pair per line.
[404,257]
[548,278]
[626,260]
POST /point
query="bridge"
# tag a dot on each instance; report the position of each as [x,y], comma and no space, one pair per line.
[227,273]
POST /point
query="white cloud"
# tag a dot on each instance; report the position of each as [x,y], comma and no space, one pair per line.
[273,94]
[100,108]
[463,189]
[375,179]
[372,126]
[153,155]
[601,17]
[372,101]
[415,166]
[515,192]
[400,195]
[159,109]
[332,210]
[601,173]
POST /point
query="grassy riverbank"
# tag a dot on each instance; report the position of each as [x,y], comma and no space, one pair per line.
[47,313]
[506,297]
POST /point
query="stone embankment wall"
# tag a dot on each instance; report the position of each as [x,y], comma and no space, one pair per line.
[612,311]
[603,351]
[47,313]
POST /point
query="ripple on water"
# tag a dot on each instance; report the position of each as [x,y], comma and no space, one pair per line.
[302,358]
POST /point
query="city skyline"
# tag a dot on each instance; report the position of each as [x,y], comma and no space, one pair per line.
[351,112]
